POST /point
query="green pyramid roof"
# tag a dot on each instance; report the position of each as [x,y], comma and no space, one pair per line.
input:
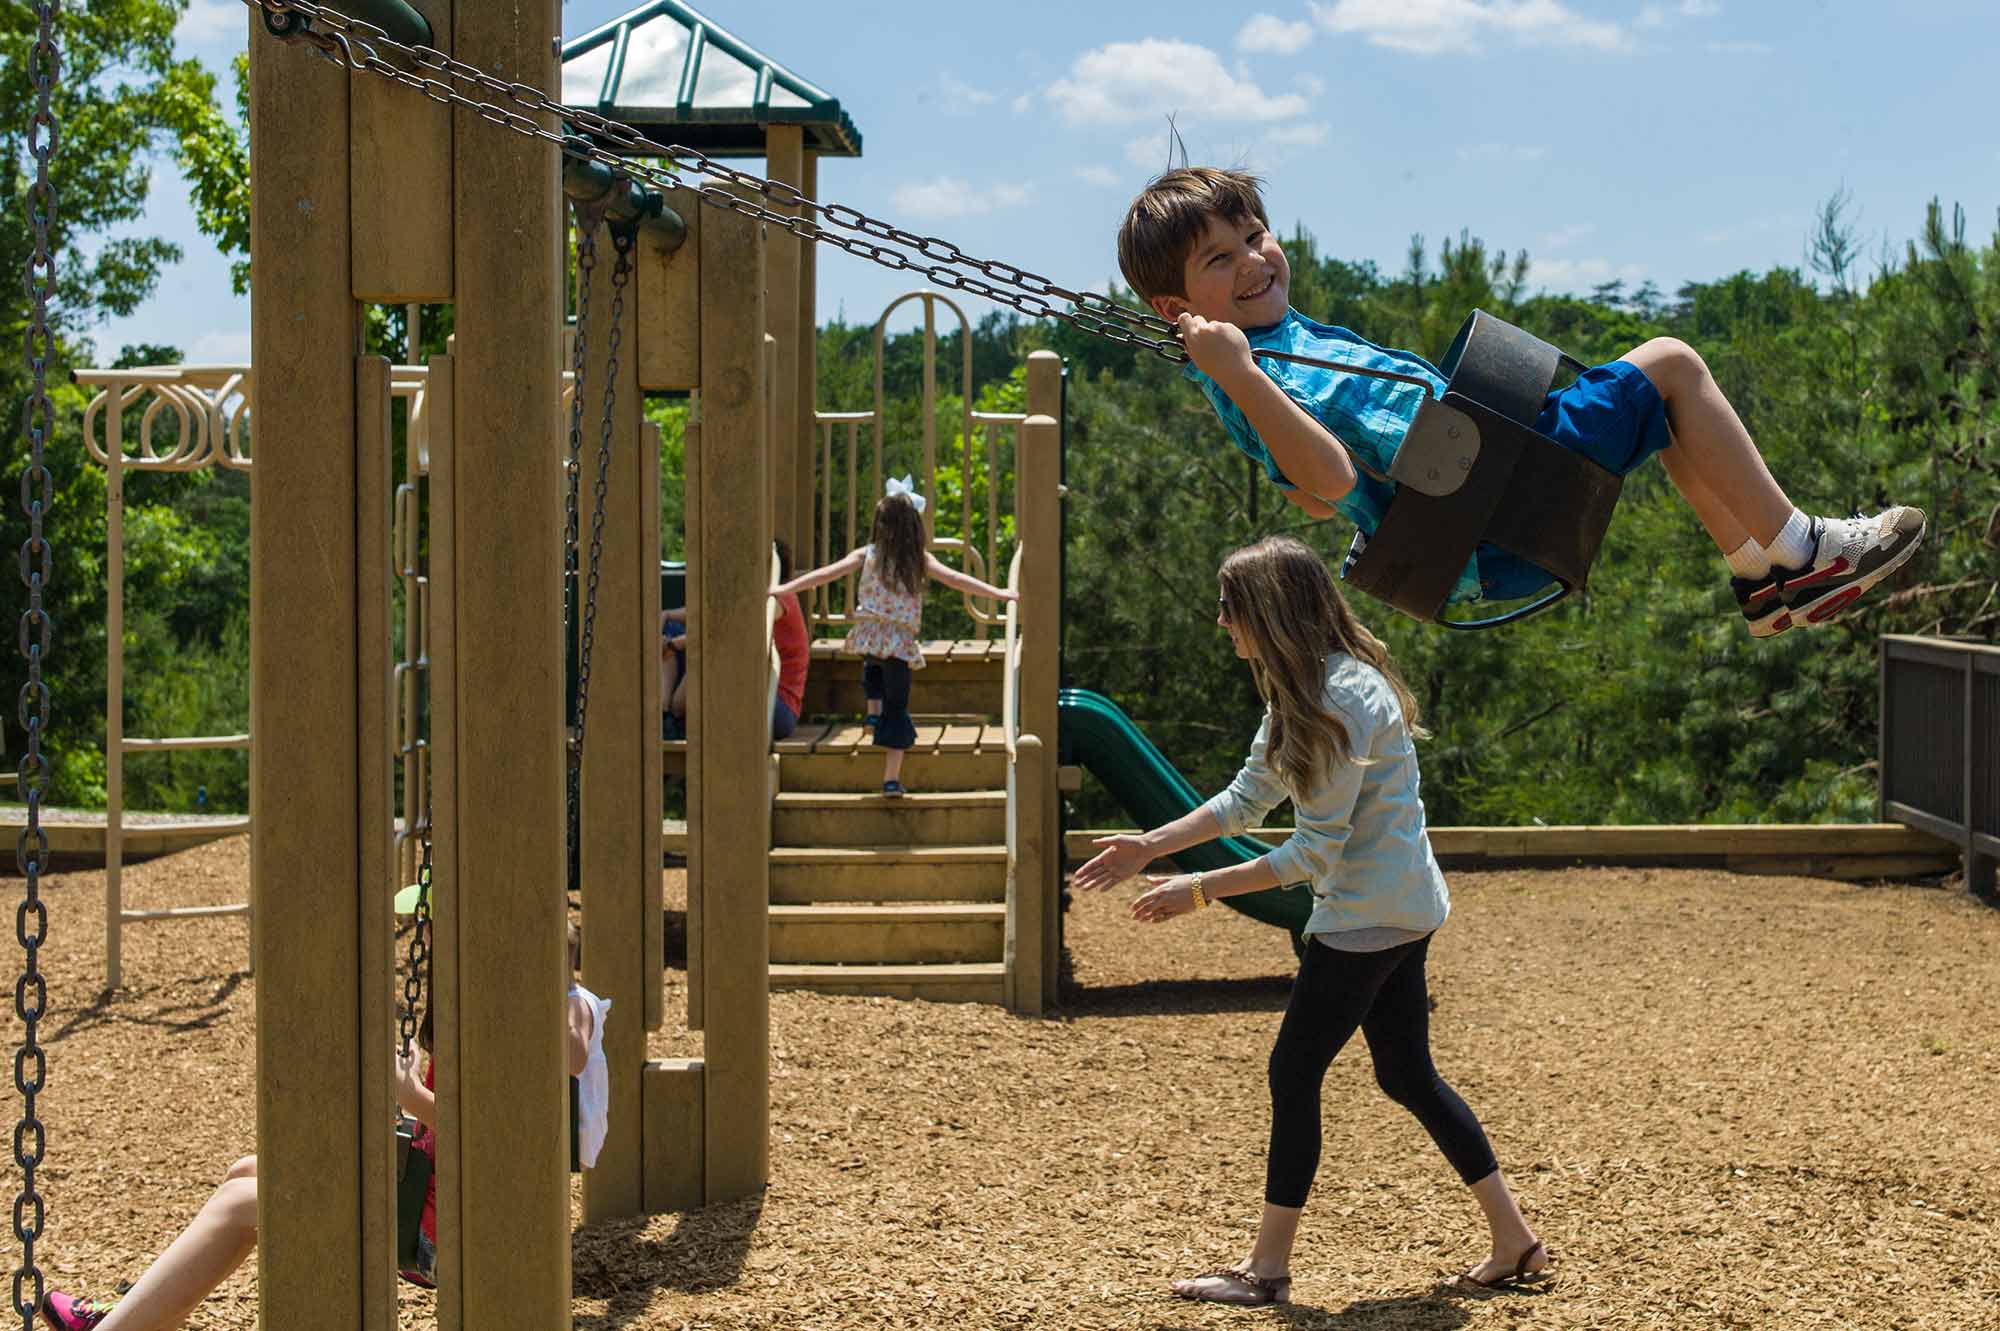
[677,77]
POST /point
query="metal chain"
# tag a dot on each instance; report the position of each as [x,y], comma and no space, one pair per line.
[586,268]
[624,240]
[416,984]
[352,43]
[31,921]
[356,43]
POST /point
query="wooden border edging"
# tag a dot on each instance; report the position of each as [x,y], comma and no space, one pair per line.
[1830,850]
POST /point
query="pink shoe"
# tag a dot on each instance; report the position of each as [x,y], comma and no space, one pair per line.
[67,1312]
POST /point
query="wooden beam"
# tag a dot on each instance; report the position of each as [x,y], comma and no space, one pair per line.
[784,153]
[669,283]
[805,473]
[1038,518]
[730,741]
[401,203]
[620,817]
[511,1112]
[672,1092]
[303,330]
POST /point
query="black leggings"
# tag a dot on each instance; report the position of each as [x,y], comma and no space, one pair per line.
[1383,994]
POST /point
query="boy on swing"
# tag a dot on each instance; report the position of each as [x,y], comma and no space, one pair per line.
[1197,246]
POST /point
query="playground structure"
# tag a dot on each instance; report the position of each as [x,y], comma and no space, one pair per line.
[400,201]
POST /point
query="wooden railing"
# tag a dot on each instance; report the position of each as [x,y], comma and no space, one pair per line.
[1939,757]
[854,461]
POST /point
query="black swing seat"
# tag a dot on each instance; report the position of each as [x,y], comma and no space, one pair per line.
[1473,469]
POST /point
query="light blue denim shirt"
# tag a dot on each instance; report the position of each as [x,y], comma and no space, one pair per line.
[1359,840]
[1370,416]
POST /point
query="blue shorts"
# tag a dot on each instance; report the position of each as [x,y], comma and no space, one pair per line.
[1612,415]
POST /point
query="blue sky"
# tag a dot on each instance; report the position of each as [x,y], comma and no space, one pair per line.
[1669,140]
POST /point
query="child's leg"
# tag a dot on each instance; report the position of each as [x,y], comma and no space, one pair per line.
[894,730]
[871,685]
[214,1244]
[1713,461]
[1397,1029]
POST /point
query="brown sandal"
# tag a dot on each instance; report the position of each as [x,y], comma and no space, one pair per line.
[1520,1277]
[1255,1291]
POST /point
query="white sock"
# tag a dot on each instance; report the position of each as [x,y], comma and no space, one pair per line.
[1748,560]
[1793,545]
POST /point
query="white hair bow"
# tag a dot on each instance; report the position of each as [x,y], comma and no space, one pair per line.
[908,490]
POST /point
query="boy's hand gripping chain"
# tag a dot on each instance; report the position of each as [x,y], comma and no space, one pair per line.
[38,418]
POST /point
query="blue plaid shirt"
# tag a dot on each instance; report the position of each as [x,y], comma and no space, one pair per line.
[1368,415]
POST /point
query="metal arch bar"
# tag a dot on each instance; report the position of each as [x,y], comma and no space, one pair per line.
[1535,607]
[691,67]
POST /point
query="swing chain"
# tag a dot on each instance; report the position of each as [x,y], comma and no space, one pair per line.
[586,267]
[31,921]
[352,43]
[624,240]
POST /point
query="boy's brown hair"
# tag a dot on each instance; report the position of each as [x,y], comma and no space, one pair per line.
[1167,220]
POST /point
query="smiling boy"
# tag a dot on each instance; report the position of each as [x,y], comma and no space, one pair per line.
[1197,246]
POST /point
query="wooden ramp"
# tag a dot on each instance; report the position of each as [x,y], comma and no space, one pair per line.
[76,836]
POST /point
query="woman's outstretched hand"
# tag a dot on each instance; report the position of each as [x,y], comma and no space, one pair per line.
[1166,898]
[1121,856]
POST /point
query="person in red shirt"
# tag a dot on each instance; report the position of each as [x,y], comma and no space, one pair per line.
[793,639]
[790,635]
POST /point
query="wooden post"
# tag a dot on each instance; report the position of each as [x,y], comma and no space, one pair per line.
[620,820]
[1027,901]
[1038,518]
[503,1103]
[803,482]
[784,154]
[730,740]
[114,685]
[374,902]
[315,1247]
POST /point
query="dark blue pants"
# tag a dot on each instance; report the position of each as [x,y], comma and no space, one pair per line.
[887,680]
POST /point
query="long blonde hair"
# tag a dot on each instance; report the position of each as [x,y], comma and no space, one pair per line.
[1282,599]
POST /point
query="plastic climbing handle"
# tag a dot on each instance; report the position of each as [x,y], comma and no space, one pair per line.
[1096,734]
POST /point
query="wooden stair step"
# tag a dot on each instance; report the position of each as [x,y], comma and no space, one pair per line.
[802,875]
[964,982]
[900,934]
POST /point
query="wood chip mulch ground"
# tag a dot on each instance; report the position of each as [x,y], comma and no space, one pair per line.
[1726,1101]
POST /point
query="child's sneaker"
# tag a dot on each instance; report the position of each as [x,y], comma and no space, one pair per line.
[893,789]
[67,1312]
[1762,601]
[1850,556]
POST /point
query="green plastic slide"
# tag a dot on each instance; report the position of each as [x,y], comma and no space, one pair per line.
[1097,734]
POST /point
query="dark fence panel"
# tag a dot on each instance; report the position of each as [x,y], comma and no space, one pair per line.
[1940,745]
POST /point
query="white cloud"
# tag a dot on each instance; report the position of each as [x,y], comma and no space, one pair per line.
[209,21]
[1101,176]
[1022,103]
[1313,84]
[948,196]
[1700,8]
[1270,35]
[1305,134]
[1658,15]
[1127,81]
[1576,274]
[1740,48]
[1507,153]
[1433,27]
[960,96]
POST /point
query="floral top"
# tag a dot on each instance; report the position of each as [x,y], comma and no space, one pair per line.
[886,621]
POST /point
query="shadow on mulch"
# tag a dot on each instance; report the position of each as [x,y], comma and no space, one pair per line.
[1263,993]
[1432,1311]
[617,1262]
[128,1007]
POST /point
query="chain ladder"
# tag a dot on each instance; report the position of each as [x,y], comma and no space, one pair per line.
[31,921]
